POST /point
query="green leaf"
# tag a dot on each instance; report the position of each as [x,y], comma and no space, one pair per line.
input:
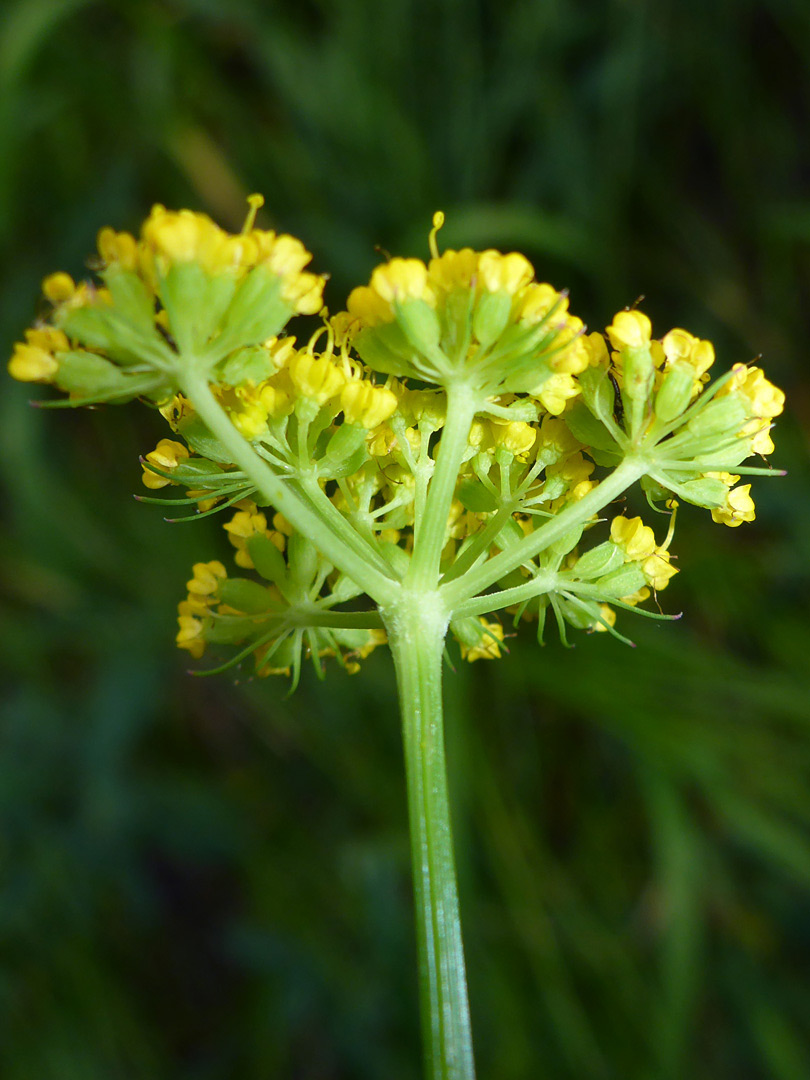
[586,427]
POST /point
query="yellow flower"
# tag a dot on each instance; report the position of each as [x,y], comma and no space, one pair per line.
[167,455]
[280,350]
[630,329]
[366,404]
[555,393]
[487,648]
[556,438]
[516,437]
[365,307]
[184,236]
[190,632]
[658,569]
[738,507]
[453,270]
[681,345]
[206,579]
[31,363]
[316,378]
[251,420]
[504,273]
[608,619]
[537,299]
[243,525]
[402,279]
[636,539]
[59,287]
[118,248]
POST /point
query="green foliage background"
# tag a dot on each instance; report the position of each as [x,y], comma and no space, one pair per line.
[203,880]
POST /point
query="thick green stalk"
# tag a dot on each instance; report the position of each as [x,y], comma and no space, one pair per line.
[416,629]
[340,550]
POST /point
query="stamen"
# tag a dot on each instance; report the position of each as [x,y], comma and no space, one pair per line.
[438,221]
[255,203]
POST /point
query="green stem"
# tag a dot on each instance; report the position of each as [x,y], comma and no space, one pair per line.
[339,620]
[334,520]
[429,540]
[416,629]
[483,540]
[482,577]
[337,548]
[481,605]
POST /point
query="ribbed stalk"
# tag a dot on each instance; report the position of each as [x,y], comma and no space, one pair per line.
[416,630]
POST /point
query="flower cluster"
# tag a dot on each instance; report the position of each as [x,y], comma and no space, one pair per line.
[351,433]
[186,288]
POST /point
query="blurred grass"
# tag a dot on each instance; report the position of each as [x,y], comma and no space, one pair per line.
[205,880]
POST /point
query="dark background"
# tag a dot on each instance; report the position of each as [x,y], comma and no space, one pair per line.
[204,879]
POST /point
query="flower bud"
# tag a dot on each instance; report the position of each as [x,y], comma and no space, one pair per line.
[491,317]
[419,324]
[599,561]
[706,491]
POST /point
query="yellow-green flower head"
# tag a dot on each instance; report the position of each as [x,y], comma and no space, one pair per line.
[187,294]
[475,314]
